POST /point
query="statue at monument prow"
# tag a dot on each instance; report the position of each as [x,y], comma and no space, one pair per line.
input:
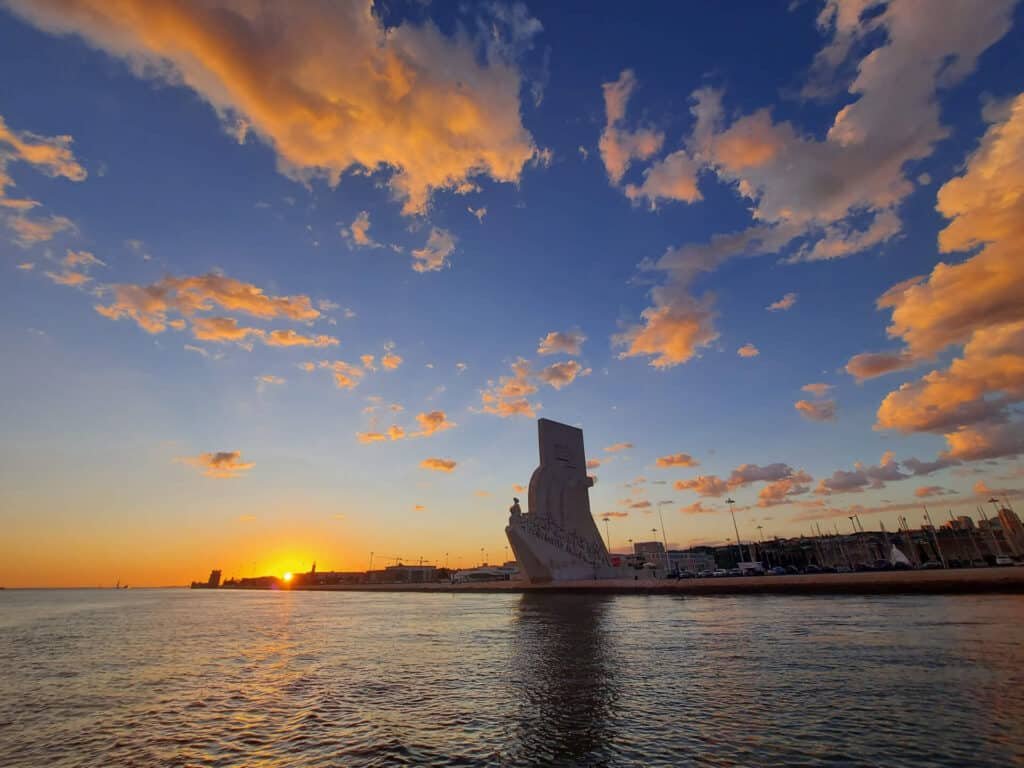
[557,539]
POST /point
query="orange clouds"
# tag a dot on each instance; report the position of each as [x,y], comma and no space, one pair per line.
[28,232]
[390,361]
[868,365]
[786,302]
[672,178]
[438,465]
[748,350]
[672,331]
[49,155]
[617,447]
[618,145]
[707,485]
[676,460]
[82,260]
[432,422]
[816,410]
[227,329]
[220,329]
[327,86]
[779,491]
[222,464]
[818,389]
[289,338]
[150,305]
[837,195]
[751,142]
[509,396]
[927,491]
[434,254]
[783,481]
[862,477]
[698,508]
[974,304]
[565,343]
[563,374]
[359,231]
[68,278]
[346,375]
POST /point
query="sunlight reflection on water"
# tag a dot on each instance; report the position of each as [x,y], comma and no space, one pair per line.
[172,677]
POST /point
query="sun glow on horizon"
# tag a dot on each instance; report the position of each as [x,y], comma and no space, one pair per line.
[287,575]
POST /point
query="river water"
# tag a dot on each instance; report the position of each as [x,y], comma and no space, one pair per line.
[194,678]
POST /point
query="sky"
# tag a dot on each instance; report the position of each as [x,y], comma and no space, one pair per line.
[285,283]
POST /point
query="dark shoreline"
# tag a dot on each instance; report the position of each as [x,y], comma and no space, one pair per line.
[1009,580]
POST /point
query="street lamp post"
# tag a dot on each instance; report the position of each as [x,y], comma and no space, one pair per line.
[664,538]
[739,545]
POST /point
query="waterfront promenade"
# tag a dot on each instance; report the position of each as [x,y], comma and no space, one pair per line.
[938,582]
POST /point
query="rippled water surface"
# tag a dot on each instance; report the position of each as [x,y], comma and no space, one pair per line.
[173,677]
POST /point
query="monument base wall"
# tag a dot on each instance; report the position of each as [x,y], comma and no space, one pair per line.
[545,555]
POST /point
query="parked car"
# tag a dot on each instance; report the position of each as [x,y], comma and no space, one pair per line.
[778,570]
[1003,560]
[931,565]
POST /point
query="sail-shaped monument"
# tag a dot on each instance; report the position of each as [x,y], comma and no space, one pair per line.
[556,539]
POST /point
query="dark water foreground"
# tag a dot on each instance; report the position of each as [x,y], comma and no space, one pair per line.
[153,678]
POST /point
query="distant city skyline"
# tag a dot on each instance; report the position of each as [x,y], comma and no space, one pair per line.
[289,283]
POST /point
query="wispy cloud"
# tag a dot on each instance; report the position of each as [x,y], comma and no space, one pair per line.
[438,465]
[221,464]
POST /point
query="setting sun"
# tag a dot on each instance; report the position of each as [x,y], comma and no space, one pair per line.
[288,576]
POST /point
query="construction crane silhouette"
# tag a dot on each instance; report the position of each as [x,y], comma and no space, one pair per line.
[397,558]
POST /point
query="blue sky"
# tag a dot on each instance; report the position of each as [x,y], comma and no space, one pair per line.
[486,139]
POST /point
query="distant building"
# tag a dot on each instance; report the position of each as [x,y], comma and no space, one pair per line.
[485,573]
[1013,530]
[653,550]
[690,561]
[409,574]
[211,583]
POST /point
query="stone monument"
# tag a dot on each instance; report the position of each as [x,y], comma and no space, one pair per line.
[557,539]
